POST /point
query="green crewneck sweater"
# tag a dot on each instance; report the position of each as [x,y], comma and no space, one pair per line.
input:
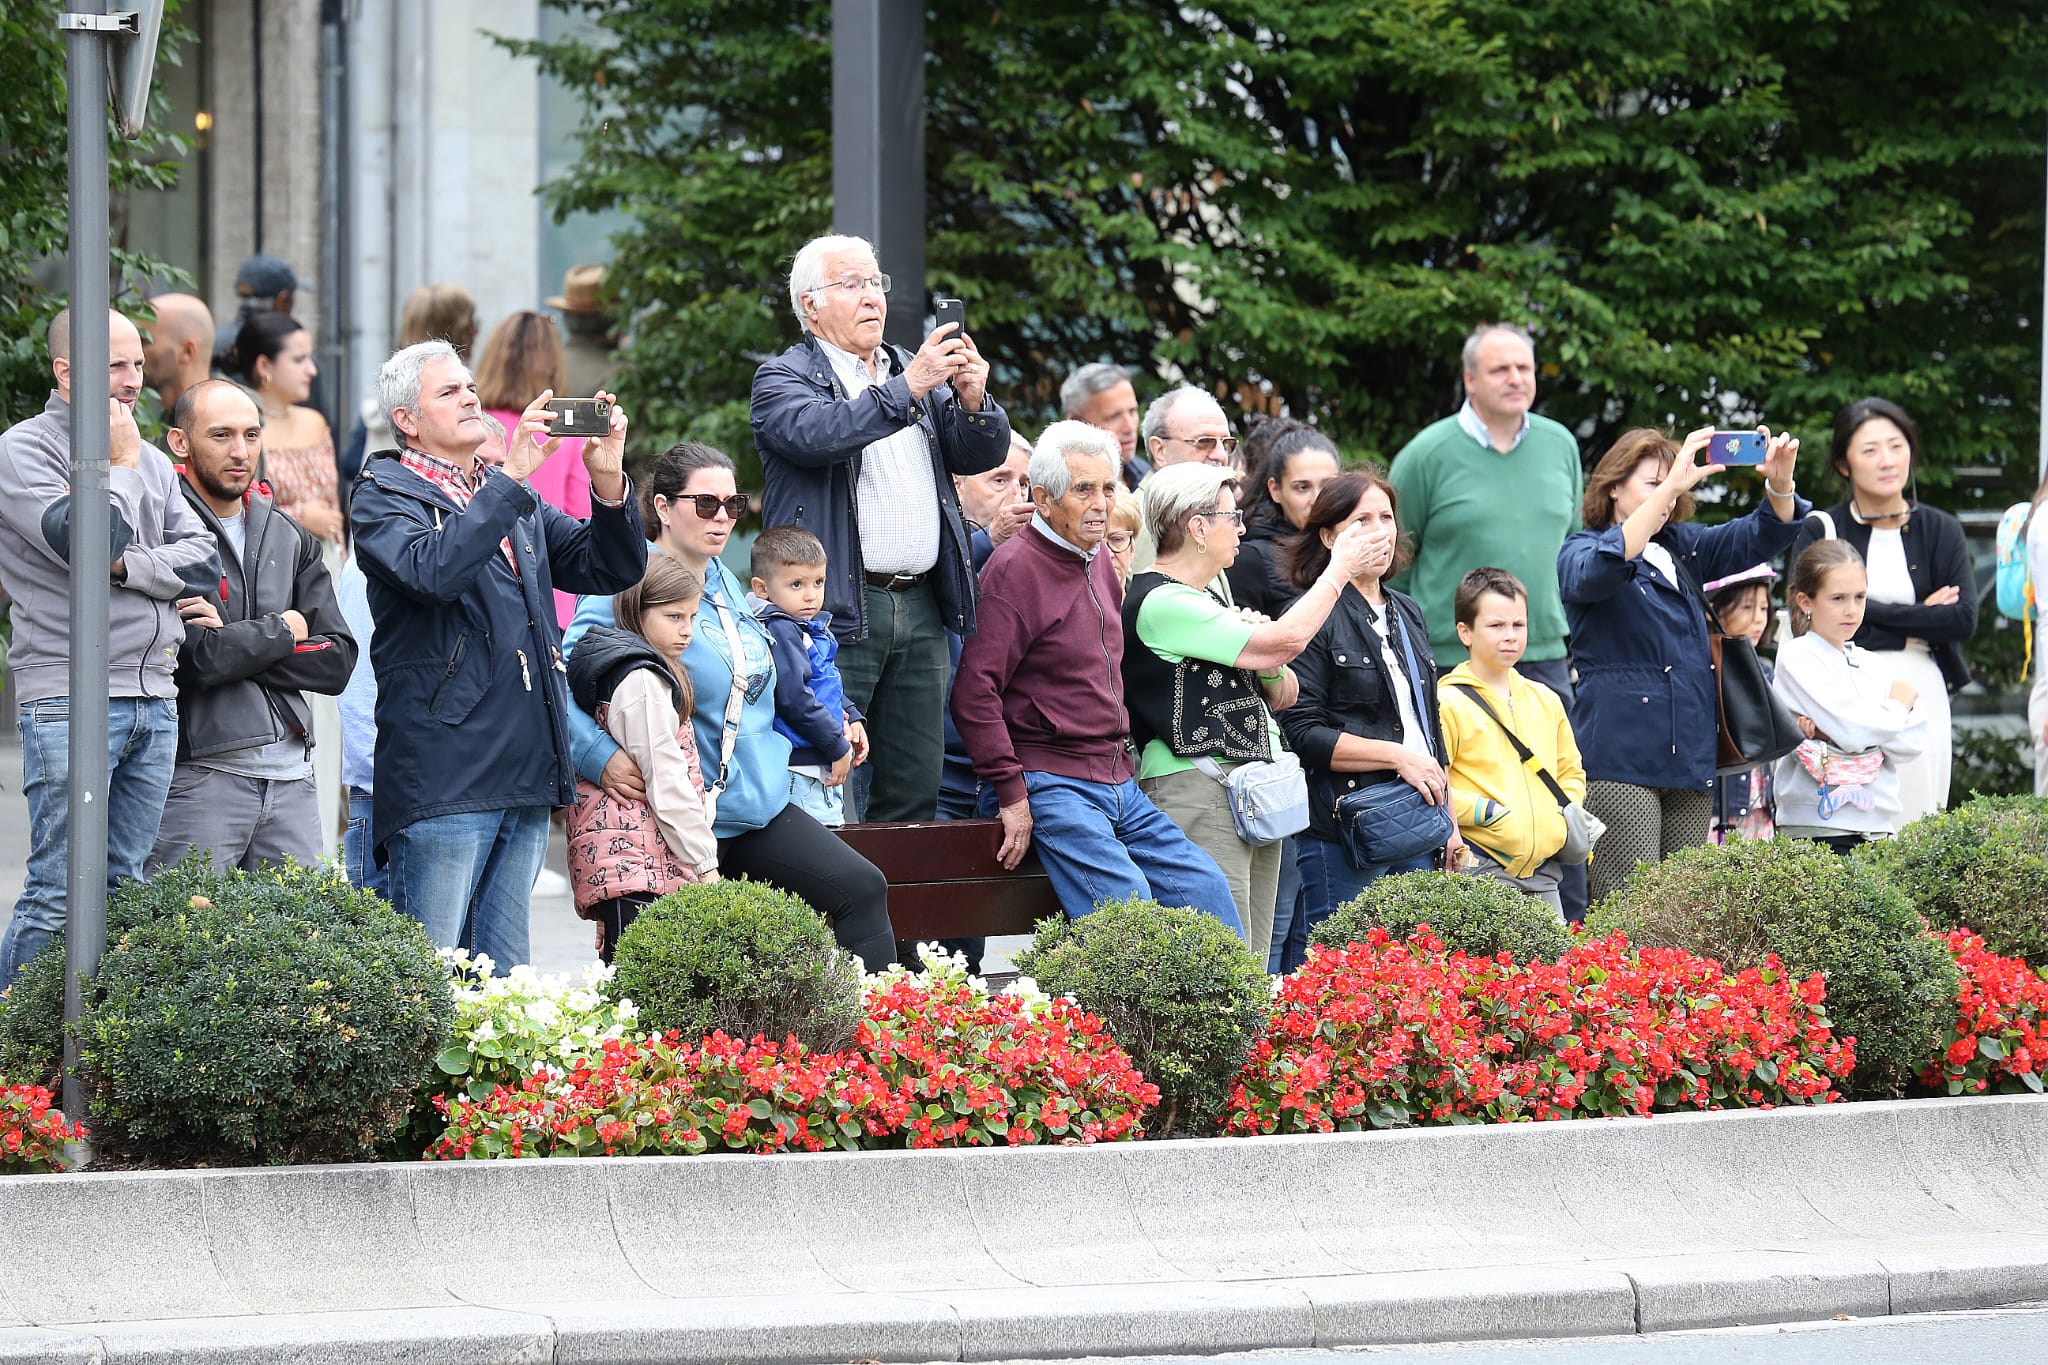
[1464,505]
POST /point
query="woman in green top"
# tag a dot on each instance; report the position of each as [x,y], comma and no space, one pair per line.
[1202,677]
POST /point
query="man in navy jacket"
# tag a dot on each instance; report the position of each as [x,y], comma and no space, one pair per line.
[462,561]
[858,442]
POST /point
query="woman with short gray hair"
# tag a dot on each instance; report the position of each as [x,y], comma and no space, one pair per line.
[1202,678]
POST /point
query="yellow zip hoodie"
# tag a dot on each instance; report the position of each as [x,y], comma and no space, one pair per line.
[1503,808]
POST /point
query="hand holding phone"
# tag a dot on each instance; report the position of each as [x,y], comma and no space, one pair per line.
[950,310]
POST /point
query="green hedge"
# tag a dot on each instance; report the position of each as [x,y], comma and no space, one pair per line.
[1477,916]
[1180,992]
[1982,866]
[742,958]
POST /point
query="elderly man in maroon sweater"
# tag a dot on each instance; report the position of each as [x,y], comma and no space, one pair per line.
[1039,700]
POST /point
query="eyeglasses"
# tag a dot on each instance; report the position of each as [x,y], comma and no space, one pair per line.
[855,284]
[709,505]
[1236,517]
[1209,445]
[1120,540]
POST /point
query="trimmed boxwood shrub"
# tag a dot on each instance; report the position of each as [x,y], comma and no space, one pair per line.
[1890,985]
[1477,916]
[32,1009]
[32,1021]
[1180,992]
[742,958]
[1982,866]
[280,1016]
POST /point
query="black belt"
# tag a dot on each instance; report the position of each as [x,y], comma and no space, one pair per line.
[896,582]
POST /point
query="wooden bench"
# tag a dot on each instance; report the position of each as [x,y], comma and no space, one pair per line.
[945,882]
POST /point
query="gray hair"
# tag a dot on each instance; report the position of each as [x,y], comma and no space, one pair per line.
[398,379]
[1163,406]
[1169,496]
[1487,329]
[1061,439]
[1084,383]
[807,271]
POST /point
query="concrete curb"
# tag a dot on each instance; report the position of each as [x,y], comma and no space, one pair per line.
[1566,1229]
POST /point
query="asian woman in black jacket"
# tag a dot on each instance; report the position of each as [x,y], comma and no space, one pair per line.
[1923,597]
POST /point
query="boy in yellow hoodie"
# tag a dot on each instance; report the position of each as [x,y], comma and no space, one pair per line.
[1506,814]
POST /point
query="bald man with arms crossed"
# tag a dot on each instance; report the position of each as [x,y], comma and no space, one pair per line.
[162,552]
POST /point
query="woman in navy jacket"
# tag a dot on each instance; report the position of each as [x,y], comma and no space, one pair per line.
[1647,715]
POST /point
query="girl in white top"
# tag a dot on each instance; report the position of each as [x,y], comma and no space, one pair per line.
[1841,787]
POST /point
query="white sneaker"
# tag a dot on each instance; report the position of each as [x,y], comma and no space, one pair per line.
[550,883]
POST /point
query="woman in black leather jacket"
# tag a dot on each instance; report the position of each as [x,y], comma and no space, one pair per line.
[1366,709]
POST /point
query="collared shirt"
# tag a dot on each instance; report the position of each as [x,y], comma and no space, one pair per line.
[1044,528]
[1469,423]
[896,500]
[458,483]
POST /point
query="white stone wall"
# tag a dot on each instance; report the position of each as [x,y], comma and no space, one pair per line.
[444,162]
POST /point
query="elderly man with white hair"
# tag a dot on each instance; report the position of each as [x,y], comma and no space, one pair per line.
[461,560]
[1040,700]
[859,441]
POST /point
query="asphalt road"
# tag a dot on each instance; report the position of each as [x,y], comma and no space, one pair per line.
[2008,1336]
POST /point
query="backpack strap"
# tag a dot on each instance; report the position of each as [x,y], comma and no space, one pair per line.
[1522,751]
[1827,523]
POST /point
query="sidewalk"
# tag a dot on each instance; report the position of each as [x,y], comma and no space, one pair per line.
[561,942]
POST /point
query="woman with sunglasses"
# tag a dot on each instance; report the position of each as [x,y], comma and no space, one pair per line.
[1202,679]
[690,505]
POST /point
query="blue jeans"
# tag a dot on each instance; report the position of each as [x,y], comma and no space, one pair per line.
[359,847]
[1102,842]
[1285,905]
[469,878]
[826,805]
[142,749]
[1328,880]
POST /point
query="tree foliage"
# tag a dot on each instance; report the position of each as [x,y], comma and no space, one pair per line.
[35,222]
[1707,211]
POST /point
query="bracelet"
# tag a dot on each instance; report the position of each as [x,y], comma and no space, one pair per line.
[1273,677]
[1778,492]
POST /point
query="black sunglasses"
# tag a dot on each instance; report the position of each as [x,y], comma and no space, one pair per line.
[708,504]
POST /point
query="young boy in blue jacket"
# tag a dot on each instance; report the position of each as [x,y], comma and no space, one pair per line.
[824,729]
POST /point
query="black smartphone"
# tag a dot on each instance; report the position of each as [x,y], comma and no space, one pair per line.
[949,310]
[580,417]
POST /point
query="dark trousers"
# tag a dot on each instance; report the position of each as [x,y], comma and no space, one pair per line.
[898,677]
[797,854]
[1556,674]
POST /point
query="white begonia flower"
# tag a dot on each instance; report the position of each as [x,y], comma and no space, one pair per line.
[485,1032]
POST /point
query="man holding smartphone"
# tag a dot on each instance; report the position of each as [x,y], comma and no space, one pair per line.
[859,444]
[460,560]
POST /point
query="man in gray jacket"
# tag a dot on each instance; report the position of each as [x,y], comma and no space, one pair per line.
[162,552]
[243,789]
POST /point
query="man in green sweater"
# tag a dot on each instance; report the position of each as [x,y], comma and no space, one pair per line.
[1493,484]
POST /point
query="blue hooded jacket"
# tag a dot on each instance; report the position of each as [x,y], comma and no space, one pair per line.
[811,709]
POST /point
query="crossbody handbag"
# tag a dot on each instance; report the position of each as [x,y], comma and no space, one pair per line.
[1582,829]
[1268,798]
[1755,727]
[1390,822]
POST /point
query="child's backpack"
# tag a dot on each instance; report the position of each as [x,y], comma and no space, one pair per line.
[2015,583]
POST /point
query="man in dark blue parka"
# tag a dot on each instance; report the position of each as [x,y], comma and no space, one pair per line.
[462,561]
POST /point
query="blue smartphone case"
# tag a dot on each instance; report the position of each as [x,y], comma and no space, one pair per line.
[1736,447]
